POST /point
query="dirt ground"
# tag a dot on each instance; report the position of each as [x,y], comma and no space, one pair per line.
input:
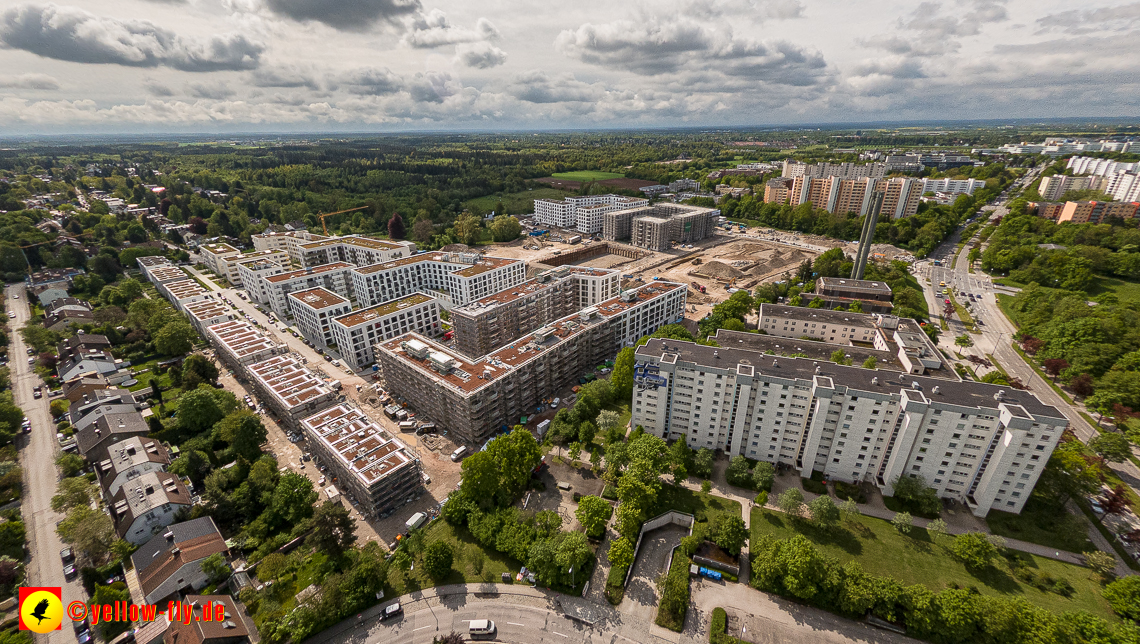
[581,480]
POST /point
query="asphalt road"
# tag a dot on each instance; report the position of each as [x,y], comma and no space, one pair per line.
[41,477]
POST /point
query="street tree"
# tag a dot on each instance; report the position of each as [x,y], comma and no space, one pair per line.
[74,492]
[791,502]
[88,530]
[823,512]
[974,550]
[1054,366]
[903,522]
[964,341]
[1111,446]
[620,553]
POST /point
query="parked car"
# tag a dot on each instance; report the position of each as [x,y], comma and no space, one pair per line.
[67,555]
[395,610]
[69,572]
[84,637]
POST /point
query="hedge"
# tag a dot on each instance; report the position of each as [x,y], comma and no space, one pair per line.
[674,588]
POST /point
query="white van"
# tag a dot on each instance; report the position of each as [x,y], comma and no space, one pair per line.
[458,454]
[415,521]
[407,425]
[481,627]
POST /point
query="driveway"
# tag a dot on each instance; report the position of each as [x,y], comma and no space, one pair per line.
[38,452]
[652,561]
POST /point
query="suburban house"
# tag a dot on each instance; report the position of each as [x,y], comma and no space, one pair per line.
[96,439]
[128,459]
[171,562]
[86,352]
[233,629]
[147,504]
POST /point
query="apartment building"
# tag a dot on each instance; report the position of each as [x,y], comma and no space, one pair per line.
[1054,187]
[239,344]
[901,337]
[290,389]
[313,312]
[952,186]
[863,290]
[491,322]
[358,250]
[331,277]
[453,278]
[212,255]
[165,273]
[474,398]
[205,313]
[253,273]
[1123,186]
[973,442]
[231,264]
[666,224]
[356,333]
[369,464]
[290,242]
[901,196]
[793,169]
[778,190]
[583,212]
[1096,212]
[183,292]
[151,262]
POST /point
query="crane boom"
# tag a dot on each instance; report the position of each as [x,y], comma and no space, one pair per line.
[339,212]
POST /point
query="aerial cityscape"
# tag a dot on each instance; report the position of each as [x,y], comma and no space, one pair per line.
[742,322]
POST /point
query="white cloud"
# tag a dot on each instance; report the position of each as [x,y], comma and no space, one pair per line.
[434,30]
[28,81]
[480,55]
[346,15]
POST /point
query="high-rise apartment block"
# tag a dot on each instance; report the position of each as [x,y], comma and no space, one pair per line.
[971,441]
[313,312]
[793,169]
[1086,212]
[1054,187]
[892,198]
[473,398]
[952,186]
[356,249]
[331,277]
[657,227]
[357,332]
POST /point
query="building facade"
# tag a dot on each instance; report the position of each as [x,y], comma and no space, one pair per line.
[664,225]
[357,332]
[971,441]
[357,250]
[583,212]
[212,255]
[331,277]
[453,278]
[290,389]
[313,312]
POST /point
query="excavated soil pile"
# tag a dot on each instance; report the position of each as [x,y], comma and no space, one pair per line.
[715,269]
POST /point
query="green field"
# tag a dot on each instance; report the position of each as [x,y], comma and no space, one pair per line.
[587,175]
[515,203]
[918,559]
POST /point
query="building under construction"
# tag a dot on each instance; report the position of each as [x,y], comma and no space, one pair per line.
[657,227]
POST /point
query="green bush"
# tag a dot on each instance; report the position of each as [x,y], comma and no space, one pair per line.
[615,589]
[762,499]
[609,492]
[848,491]
[673,587]
[814,486]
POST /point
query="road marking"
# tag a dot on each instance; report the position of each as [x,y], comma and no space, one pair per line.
[421,628]
[514,624]
[560,634]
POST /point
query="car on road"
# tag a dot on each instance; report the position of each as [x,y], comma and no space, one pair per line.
[67,555]
[37,394]
[84,637]
[11,314]
[15,296]
[69,572]
[32,360]
[31,351]
[389,612]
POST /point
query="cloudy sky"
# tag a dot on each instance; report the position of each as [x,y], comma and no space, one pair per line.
[387,65]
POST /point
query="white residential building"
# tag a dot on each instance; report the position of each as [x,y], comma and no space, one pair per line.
[1123,186]
[252,274]
[1100,167]
[313,312]
[355,333]
[212,254]
[952,186]
[206,313]
[583,212]
[358,250]
[332,277]
[289,242]
[971,441]
[290,389]
[240,344]
[454,278]
[183,292]
[231,264]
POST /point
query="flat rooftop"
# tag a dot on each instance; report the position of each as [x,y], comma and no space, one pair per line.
[167,274]
[364,448]
[218,249]
[182,289]
[363,242]
[380,310]
[153,260]
[458,260]
[469,375]
[207,309]
[318,298]
[965,394]
[486,264]
[290,382]
[257,255]
[853,285]
[241,338]
[304,272]
[817,315]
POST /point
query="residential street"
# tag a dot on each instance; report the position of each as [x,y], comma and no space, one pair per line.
[41,477]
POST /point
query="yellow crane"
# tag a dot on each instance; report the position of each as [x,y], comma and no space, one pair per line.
[339,212]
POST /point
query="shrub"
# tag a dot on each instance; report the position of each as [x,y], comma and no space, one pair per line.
[673,587]
[848,491]
[762,499]
[609,492]
[814,486]
[763,475]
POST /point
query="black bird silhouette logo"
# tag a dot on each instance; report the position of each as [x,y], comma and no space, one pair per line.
[41,610]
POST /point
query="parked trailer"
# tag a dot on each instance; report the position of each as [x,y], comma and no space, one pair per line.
[574,240]
[711,574]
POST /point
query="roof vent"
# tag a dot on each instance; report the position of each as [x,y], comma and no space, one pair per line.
[818,369]
[169,536]
[914,385]
[775,363]
[936,389]
[228,624]
[716,354]
[875,380]
[1000,395]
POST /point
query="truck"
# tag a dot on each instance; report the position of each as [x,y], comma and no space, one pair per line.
[407,425]
[415,521]
[574,240]
[698,288]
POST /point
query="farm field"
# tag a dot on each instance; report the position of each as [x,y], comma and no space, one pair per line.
[587,175]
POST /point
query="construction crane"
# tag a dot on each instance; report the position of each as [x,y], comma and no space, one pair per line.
[339,212]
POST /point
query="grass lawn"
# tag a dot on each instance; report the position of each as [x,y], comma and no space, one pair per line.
[462,543]
[515,203]
[705,507]
[622,410]
[917,559]
[1124,290]
[1040,524]
[587,175]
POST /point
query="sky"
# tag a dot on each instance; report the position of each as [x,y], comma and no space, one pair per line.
[203,66]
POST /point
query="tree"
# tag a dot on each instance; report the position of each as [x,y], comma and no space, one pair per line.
[620,553]
[592,513]
[1067,474]
[703,463]
[1124,596]
[423,229]
[914,491]
[936,528]
[1082,385]
[903,522]
[1111,446]
[731,533]
[839,356]
[974,550]
[1101,562]
[70,464]
[622,376]
[89,531]
[244,432]
[438,559]
[293,499]
[106,596]
[74,492]
[791,502]
[1054,366]
[870,363]
[131,289]
[737,472]
[216,568]
[823,512]
[607,420]
[13,534]
[450,638]
[175,339]
[199,410]
[680,474]
[396,226]
[763,475]
[334,531]
[505,228]
[467,228]
[198,369]
[849,509]
[964,341]
[1115,501]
